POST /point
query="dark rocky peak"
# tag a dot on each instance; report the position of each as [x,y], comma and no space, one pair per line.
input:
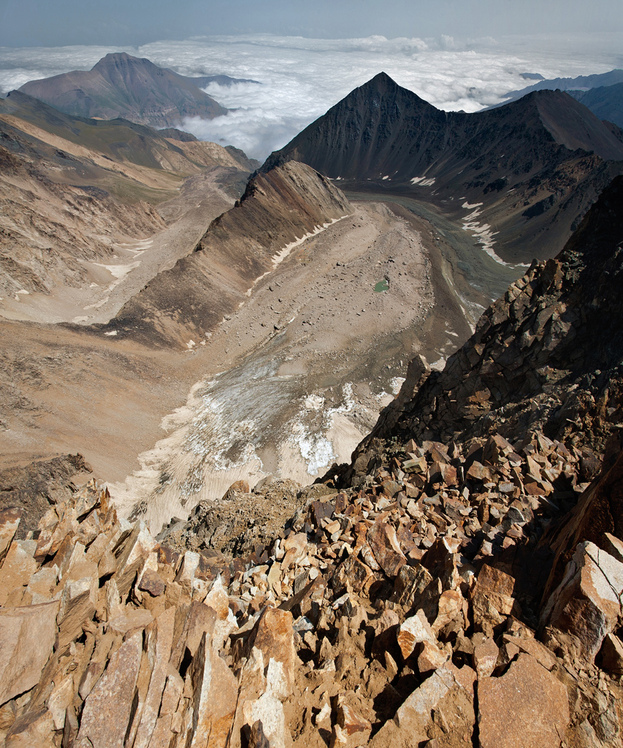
[368,133]
[383,85]
[573,125]
[534,165]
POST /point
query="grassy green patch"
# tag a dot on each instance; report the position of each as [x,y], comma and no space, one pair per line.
[381,286]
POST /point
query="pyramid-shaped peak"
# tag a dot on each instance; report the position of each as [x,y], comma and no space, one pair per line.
[381,83]
[383,79]
[384,85]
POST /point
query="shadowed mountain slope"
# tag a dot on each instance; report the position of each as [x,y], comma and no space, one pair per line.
[530,168]
[120,85]
[606,102]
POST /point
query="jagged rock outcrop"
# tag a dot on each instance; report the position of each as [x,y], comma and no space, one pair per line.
[378,616]
[277,210]
[121,85]
[34,487]
[524,173]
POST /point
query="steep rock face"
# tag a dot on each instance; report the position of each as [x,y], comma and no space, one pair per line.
[120,85]
[278,209]
[545,355]
[531,168]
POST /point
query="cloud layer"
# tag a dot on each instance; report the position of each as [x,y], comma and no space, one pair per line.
[301,78]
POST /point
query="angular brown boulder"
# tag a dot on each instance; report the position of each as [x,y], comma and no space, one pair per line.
[386,548]
[599,512]
[26,641]
[527,707]
[413,720]
[492,598]
[274,637]
[108,707]
[587,603]
[9,522]
[214,698]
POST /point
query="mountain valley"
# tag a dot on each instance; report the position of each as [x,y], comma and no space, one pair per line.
[155,303]
[322,452]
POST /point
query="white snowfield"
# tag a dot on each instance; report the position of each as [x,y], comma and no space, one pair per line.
[423,181]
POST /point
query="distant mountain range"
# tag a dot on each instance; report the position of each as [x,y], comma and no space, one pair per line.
[520,175]
[120,85]
[580,83]
[602,93]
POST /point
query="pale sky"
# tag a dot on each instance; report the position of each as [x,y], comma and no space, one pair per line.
[135,22]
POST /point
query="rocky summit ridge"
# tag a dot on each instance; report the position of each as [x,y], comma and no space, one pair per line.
[460,583]
[276,210]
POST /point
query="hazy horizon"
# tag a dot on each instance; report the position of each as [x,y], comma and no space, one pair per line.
[302,77]
[137,22]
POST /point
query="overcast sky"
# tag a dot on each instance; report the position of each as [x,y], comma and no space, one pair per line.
[135,22]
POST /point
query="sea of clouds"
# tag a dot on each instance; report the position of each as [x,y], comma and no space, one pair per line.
[298,79]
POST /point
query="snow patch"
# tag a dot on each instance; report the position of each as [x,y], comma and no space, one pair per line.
[396,383]
[423,181]
[438,365]
[483,234]
[315,447]
[119,271]
[314,402]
